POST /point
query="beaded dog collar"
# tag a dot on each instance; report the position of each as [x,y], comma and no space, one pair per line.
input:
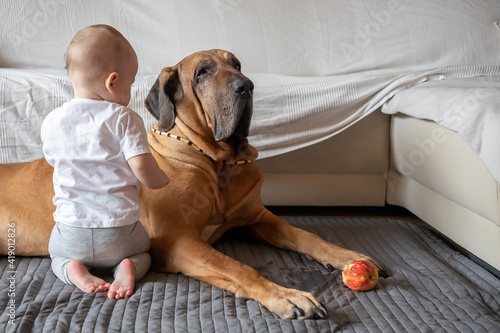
[195,147]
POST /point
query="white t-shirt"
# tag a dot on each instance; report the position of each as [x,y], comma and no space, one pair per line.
[88,142]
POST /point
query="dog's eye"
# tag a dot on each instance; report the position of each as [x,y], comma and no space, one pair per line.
[201,73]
[237,67]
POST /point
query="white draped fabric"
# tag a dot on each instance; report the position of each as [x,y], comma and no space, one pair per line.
[318,65]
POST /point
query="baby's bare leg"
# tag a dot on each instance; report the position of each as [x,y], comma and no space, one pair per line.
[81,278]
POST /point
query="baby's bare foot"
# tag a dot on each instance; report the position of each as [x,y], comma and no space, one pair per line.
[83,280]
[124,283]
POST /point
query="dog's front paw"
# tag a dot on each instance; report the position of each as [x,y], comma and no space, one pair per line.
[294,304]
[345,257]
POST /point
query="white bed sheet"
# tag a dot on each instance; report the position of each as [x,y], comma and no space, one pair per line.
[471,107]
[289,112]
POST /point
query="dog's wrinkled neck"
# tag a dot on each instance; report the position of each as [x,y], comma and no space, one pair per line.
[240,149]
[232,152]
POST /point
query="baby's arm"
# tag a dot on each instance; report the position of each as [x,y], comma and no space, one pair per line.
[146,169]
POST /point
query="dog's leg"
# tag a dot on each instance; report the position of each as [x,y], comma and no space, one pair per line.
[273,230]
[196,258]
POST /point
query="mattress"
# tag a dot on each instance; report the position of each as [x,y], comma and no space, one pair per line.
[469,107]
[430,288]
[451,190]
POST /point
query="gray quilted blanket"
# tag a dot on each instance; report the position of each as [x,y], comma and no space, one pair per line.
[430,288]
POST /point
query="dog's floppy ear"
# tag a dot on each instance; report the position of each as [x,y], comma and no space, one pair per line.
[160,100]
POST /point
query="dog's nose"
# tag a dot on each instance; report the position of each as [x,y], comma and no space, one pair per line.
[242,86]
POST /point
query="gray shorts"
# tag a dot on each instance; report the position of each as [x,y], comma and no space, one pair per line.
[99,248]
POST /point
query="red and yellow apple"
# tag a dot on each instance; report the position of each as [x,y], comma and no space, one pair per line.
[360,275]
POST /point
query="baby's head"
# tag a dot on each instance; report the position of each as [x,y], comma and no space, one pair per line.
[101,64]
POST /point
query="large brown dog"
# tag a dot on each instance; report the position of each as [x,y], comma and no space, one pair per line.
[205,104]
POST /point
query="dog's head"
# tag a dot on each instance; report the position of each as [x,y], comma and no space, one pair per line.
[205,90]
